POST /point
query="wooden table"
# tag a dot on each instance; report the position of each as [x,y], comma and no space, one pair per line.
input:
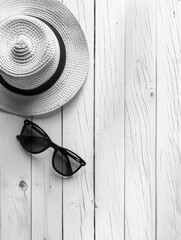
[125,122]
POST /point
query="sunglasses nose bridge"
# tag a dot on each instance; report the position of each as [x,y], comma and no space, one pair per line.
[53,145]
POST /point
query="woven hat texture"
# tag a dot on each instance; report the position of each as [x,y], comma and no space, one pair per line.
[43,56]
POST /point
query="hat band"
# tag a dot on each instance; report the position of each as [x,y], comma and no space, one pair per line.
[45,86]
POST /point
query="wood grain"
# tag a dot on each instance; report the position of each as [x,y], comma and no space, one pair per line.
[78,199]
[109,120]
[169,119]
[15,181]
[47,185]
[140,120]
[125,123]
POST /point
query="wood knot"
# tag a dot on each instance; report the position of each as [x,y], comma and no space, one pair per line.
[23,186]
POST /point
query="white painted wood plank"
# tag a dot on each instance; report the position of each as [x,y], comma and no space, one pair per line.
[109,120]
[169,119]
[140,120]
[47,185]
[15,181]
[78,204]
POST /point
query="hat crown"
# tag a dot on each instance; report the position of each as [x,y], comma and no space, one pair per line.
[21,51]
[20,45]
[29,52]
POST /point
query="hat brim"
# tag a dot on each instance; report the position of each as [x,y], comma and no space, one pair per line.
[77,58]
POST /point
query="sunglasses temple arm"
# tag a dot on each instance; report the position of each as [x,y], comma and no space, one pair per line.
[36,128]
[83,163]
[64,150]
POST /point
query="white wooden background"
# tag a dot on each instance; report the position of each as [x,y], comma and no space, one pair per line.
[125,122]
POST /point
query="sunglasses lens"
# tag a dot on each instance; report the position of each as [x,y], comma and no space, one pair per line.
[33,141]
[65,163]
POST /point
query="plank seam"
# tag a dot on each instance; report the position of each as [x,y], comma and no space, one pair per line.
[124,110]
[31,193]
[94,129]
[156,126]
[61,116]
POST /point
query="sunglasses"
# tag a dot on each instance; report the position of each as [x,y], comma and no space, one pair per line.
[34,140]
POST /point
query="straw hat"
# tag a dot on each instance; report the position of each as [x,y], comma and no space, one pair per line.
[43,56]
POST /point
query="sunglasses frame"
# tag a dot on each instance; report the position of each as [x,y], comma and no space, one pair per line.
[50,143]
